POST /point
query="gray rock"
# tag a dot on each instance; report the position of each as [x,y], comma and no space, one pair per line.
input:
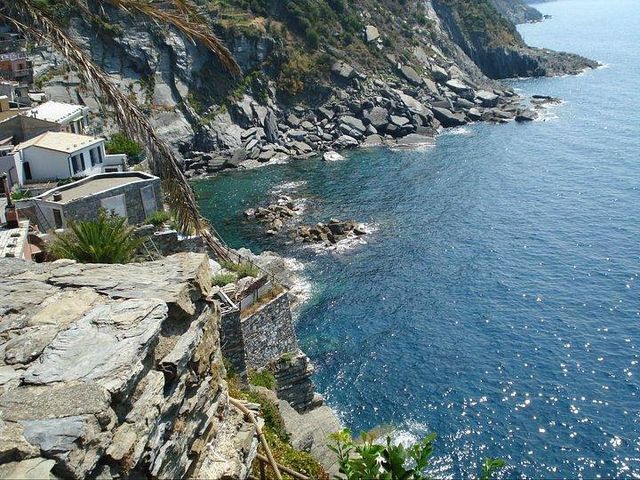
[373,141]
[487,99]
[326,113]
[447,118]
[526,116]
[343,70]
[31,469]
[371,33]
[353,123]
[345,141]
[399,121]
[271,127]
[410,74]
[460,87]
[378,117]
[439,74]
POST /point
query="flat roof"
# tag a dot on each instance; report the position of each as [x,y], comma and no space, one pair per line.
[55,111]
[60,142]
[94,184]
[13,241]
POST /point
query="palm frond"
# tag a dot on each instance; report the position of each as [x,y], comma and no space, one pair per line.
[35,23]
[183,15]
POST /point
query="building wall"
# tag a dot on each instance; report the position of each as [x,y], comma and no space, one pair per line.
[23,128]
[87,208]
[51,165]
[8,166]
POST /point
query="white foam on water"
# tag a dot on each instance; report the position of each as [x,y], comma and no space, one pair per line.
[301,287]
[287,187]
[346,244]
[459,131]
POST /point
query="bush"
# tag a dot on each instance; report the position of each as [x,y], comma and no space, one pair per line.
[20,194]
[158,218]
[107,239]
[264,379]
[121,143]
[222,279]
[243,269]
[376,461]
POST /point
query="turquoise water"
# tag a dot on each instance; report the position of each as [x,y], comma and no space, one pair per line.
[496,302]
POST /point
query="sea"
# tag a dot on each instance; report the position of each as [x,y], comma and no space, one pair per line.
[496,300]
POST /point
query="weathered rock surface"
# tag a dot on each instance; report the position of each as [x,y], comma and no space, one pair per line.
[112,371]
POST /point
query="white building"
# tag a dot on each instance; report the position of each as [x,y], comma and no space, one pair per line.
[72,118]
[61,155]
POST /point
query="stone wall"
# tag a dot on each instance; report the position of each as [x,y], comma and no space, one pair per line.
[269,333]
[293,376]
[115,371]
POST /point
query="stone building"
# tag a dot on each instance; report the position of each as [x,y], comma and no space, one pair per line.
[133,195]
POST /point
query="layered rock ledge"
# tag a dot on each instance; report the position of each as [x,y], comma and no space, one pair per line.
[115,371]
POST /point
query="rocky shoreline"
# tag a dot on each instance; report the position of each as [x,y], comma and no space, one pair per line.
[362,113]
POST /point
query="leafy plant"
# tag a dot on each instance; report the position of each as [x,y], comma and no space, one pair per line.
[224,278]
[369,460]
[107,239]
[121,143]
[158,218]
[263,378]
[20,194]
[243,269]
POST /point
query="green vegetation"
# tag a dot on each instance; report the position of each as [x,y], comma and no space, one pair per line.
[480,19]
[243,269]
[121,143]
[368,460]
[224,278]
[263,378]
[277,436]
[107,239]
[20,194]
[158,218]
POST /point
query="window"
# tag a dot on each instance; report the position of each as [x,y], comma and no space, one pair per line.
[77,162]
[27,170]
[57,217]
[94,157]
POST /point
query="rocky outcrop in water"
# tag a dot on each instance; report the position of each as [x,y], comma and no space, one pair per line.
[115,371]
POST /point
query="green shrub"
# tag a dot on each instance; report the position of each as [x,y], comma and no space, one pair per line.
[20,194]
[158,218]
[264,379]
[121,143]
[377,461]
[243,269]
[224,278]
[107,239]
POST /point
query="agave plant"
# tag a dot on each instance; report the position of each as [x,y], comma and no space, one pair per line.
[107,239]
[38,20]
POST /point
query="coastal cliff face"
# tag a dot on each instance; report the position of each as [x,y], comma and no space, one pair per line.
[297,53]
[517,11]
[115,371]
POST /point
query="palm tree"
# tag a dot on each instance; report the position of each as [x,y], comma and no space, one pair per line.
[36,19]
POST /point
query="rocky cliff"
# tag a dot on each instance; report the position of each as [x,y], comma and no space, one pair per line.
[297,56]
[517,11]
[115,371]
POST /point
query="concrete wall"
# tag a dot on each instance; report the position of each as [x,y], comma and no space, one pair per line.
[269,333]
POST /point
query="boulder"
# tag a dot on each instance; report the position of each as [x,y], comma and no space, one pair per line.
[271,127]
[411,75]
[459,87]
[439,74]
[345,141]
[378,117]
[526,116]
[353,123]
[332,156]
[486,98]
[343,70]
[447,118]
[371,33]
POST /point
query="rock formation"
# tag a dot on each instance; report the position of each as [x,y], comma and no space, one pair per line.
[115,371]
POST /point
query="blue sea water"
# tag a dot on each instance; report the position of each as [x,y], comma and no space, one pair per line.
[497,301]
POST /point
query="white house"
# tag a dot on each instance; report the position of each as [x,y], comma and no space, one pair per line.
[60,155]
[72,118]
